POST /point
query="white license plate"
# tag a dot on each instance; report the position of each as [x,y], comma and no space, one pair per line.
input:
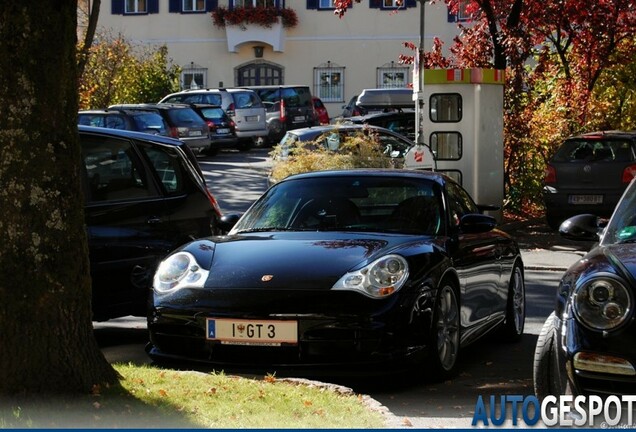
[585,199]
[299,118]
[252,332]
[195,133]
[223,131]
[251,118]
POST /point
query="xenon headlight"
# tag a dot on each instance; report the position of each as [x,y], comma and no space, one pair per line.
[179,271]
[379,279]
[602,303]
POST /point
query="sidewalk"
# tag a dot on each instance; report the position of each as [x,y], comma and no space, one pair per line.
[542,248]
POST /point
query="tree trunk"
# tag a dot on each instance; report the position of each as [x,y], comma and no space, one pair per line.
[46,336]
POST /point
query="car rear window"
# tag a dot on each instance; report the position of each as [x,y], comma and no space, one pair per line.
[293,96]
[186,116]
[584,150]
[151,123]
[246,100]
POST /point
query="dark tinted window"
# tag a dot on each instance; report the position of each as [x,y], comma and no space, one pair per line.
[213,113]
[114,171]
[167,167]
[296,96]
[185,116]
[150,122]
[595,151]
[246,100]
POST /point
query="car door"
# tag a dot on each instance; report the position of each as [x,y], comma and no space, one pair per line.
[126,219]
[477,260]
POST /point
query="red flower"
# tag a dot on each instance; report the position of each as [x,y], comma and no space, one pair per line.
[263,16]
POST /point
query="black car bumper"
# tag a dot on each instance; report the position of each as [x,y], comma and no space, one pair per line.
[597,365]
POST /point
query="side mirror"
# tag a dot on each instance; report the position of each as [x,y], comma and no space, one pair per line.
[477,223]
[583,227]
[227,222]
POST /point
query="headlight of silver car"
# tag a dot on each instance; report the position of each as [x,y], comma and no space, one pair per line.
[179,271]
[602,303]
[379,279]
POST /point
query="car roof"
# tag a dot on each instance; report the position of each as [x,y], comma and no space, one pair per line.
[606,134]
[386,97]
[121,133]
[435,176]
[390,114]
[150,106]
[311,132]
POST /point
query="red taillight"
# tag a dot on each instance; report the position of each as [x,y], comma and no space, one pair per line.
[211,125]
[549,174]
[629,173]
[174,132]
[213,202]
[230,110]
[231,123]
[283,114]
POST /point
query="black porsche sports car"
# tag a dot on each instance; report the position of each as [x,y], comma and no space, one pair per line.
[588,344]
[344,271]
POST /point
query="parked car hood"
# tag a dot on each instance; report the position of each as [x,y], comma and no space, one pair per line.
[298,260]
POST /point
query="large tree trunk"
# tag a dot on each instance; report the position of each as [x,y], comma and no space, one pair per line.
[46,336]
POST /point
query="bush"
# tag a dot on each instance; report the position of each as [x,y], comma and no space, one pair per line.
[360,150]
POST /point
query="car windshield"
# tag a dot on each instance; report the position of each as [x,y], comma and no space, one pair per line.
[361,203]
[622,225]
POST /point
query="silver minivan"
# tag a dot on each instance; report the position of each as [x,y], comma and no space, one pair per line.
[242,105]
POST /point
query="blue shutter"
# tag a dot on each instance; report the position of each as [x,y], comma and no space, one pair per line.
[117,7]
[312,4]
[451,16]
[375,4]
[174,6]
[411,3]
[210,5]
[153,6]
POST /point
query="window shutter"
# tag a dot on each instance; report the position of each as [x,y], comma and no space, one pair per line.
[312,4]
[117,7]
[210,5]
[153,6]
[451,17]
[375,4]
[411,3]
[174,6]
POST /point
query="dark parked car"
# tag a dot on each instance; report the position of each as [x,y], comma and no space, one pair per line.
[185,124]
[588,174]
[140,121]
[145,195]
[342,271]
[222,127]
[402,122]
[288,107]
[588,344]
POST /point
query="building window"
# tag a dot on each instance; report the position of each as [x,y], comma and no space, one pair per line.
[326,4]
[392,75]
[253,3]
[445,107]
[446,145]
[136,6]
[193,6]
[387,4]
[462,13]
[329,82]
[194,76]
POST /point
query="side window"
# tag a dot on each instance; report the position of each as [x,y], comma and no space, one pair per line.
[459,203]
[134,7]
[445,107]
[446,145]
[329,82]
[167,166]
[114,170]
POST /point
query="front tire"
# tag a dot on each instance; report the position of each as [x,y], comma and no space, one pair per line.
[445,334]
[514,323]
[545,370]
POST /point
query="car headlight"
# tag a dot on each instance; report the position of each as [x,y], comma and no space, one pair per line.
[602,303]
[179,271]
[379,279]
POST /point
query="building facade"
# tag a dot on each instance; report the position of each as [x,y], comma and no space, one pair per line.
[336,57]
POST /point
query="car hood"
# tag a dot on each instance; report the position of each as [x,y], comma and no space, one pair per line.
[299,260]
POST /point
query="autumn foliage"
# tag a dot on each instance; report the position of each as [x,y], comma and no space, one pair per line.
[569,68]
